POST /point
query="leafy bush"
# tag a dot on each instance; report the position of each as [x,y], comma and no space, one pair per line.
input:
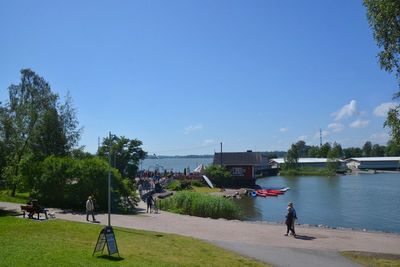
[308,171]
[202,205]
[179,185]
[219,175]
[198,183]
[174,185]
[67,182]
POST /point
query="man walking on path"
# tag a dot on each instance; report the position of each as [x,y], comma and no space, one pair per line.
[90,208]
[290,219]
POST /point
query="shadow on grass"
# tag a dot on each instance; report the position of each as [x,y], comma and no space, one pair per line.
[4,213]
[305,237]
[110,258]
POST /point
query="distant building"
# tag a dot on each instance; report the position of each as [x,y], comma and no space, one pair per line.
[305,162]
[244,165]
[374,163]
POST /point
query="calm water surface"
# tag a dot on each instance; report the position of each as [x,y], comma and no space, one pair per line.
[367,201]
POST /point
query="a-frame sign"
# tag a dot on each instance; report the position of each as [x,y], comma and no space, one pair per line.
[106,236]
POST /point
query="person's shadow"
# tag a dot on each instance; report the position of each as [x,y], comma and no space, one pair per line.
[304,237]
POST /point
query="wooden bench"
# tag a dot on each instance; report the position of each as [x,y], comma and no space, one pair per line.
[31,210]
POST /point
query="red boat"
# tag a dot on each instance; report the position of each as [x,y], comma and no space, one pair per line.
[278,192]
[260,194]
[265,193]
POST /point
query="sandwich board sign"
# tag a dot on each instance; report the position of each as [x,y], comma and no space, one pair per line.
[106,236]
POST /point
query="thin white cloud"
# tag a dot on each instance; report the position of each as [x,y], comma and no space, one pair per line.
[336,126]
[324,133]
[359,123]
[302,137]
[346,111]
[383,109]
[285,129]
[193,128]
[381,138]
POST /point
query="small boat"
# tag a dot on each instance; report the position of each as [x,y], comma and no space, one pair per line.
[253,193]
[260,194]
[285,189]
[265,193]
[278,192]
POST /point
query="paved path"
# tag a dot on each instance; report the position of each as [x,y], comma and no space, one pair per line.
[265,242]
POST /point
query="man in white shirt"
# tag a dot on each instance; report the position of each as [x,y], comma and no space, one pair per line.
[90,208]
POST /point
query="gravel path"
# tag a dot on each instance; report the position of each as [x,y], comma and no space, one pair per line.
[266,242]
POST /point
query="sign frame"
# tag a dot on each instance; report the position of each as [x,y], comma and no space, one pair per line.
[106,236]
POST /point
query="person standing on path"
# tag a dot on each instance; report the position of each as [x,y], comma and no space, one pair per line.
[290,219]
[90,208]
[149,201]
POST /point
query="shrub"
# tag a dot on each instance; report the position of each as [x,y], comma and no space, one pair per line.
[179,185]
[219,175]
[67,182]
[174,185]
[198,183]
[202,205]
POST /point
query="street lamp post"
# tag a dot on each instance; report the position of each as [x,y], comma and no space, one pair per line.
[109,182]
[106,235]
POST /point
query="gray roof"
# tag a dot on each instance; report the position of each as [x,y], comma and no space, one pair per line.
[240,158]
[374,159]
[304,160]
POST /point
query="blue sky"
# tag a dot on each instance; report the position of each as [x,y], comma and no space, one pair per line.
[183,76]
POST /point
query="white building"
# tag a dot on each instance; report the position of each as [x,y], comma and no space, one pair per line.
[374,163]
[306,162]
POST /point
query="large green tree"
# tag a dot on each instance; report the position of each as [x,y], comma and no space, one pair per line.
[324,150]
[367,149]
[313,152]
[292,158]
[352,152]
[33,122]
[125,154]
[302,148]
[384,19]
[392,149]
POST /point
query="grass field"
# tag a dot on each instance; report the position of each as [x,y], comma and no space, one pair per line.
[204,189]
[373,259]
[19,197]
[26,242]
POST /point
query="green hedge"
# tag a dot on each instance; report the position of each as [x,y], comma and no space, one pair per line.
[66,182]
[308,171]
[201,205]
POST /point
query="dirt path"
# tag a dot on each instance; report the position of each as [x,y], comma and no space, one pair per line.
[262,241]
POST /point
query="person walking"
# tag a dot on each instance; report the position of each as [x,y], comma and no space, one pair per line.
[90,208]
[149,201]
[290,220]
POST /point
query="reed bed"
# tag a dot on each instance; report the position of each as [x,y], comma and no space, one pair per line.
[201,205]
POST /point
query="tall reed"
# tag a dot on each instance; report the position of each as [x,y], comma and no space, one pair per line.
[201,205]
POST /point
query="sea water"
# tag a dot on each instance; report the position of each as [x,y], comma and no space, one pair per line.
[365,201]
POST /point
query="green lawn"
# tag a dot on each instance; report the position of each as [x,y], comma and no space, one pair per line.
[204,189]
[373,259]
[19,197]
[25,242]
